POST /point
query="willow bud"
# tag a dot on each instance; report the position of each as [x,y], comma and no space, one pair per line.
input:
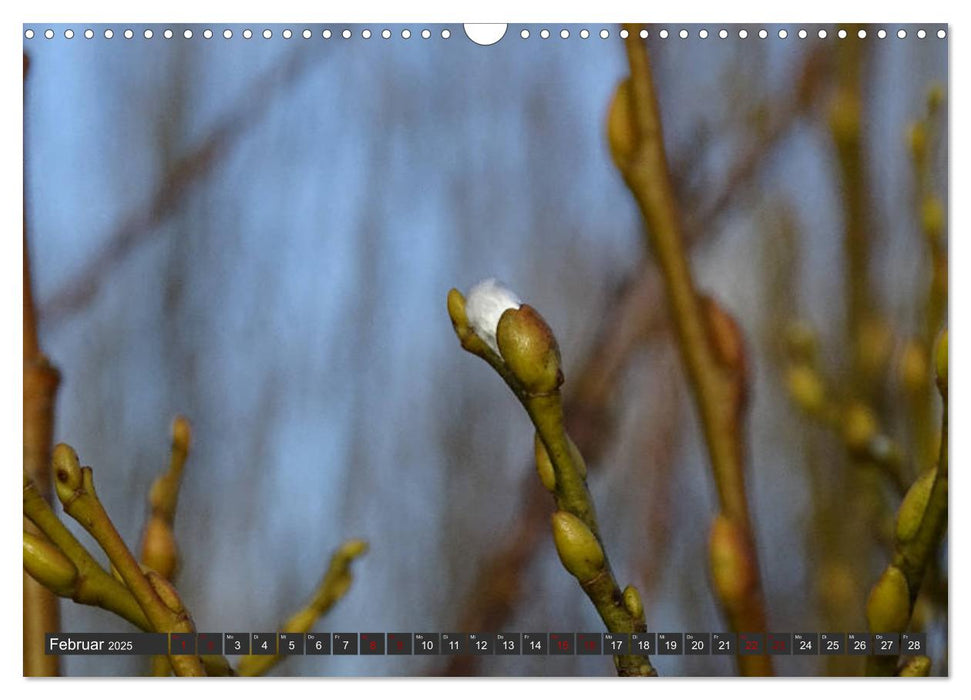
[913,366]
[917,666]
[578,547]
[529,349]
[67,471]
[888,607]
[544,466]
[632,601]
[621,128]
[731,561]
[806,388]
[940,362]
[911,512]
[859,427]
[159,550]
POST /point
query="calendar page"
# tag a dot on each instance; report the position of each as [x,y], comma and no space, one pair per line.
[507,350]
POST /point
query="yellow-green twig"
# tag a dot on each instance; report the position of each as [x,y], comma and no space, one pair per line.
[157,599]
[709,343]
[921,523]
[159,550]
[332,588]
[528,360]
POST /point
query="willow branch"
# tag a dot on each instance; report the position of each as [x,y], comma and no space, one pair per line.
[526,355]
[41,378]
[921,524]
[159,550]
[90,584]
[846,120]
[332,588]
[156,597]
[710,347]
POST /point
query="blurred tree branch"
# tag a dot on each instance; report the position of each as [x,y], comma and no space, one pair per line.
[41,379]
[176,184]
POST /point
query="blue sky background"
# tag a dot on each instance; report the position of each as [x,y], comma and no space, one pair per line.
[292,305]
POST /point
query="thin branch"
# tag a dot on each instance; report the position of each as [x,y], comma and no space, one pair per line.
[332,588]
[41,378]
[156,597]
[711,352]
[528,360]
[187,171]
[921,524]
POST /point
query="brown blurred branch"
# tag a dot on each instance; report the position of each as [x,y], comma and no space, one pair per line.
[41,613]
[176,183]
[635,313]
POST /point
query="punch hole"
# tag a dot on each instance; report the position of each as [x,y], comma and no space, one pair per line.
[446,34]
[485,34]
[68,33]
[89,34]
[941,33]
[208,34]
[109,33]
[129,33]
[49,34]
[168,34]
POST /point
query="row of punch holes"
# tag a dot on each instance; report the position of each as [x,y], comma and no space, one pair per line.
[447,33]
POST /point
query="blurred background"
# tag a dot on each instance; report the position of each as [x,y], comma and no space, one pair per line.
[260,235]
